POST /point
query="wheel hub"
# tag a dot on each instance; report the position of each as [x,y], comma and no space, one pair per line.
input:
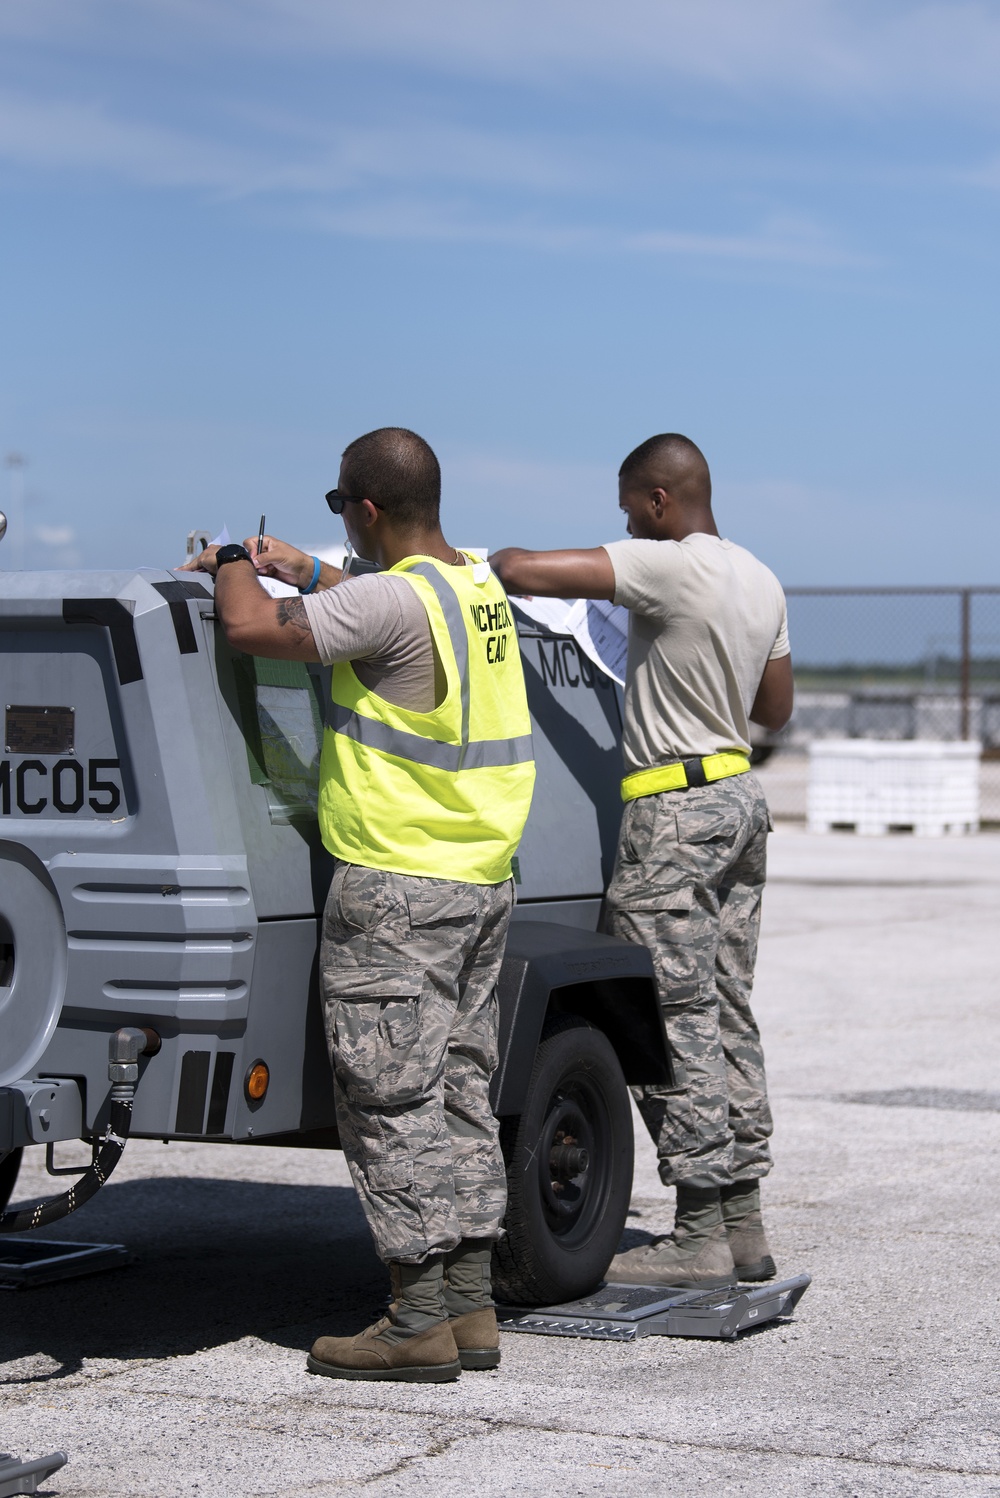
[572,1187]
[567,1160]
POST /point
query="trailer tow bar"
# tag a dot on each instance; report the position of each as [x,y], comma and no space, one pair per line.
[124,1049]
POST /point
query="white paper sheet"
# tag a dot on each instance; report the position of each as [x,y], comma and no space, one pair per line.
[600,629]
[276,588]
[550,613]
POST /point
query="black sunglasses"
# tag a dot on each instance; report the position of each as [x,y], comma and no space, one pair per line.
[336,500]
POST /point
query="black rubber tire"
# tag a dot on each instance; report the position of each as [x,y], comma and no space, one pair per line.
[10,1164]
[562,1235]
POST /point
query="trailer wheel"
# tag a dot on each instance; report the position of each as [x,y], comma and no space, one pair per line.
[10,1164]
[569,1169]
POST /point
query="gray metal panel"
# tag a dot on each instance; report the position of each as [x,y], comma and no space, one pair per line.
[155,895]
[288,867]
[569,841]
[285,1029]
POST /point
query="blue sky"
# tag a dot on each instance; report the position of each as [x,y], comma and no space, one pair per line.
[238,233]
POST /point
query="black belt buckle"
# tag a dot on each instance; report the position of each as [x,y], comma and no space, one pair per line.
[695,772]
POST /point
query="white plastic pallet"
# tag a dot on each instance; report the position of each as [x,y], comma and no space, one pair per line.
[874,787]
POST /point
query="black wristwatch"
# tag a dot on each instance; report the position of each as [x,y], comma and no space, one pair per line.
[231,553]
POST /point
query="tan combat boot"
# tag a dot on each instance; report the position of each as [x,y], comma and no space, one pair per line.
[696,1255]
[413,1344]
[745,1231]
[468,1299]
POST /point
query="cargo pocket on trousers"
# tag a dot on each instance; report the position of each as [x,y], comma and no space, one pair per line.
[723,825]
[390,1175]
[636,834]
[441,907]
[677,952]
[365,952]
[378,1050]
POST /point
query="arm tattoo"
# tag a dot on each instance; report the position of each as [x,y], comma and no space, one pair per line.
[293,611]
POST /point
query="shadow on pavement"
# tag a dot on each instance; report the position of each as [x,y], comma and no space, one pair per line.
[216,1260]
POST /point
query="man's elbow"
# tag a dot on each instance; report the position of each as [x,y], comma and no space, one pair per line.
[242,636]
[773,710]
[772,706]
[771,718]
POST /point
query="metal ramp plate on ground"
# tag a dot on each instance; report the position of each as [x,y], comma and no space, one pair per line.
[39,1261]
[623,1313]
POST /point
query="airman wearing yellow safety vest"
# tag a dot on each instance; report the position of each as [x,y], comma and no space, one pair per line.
[425,783]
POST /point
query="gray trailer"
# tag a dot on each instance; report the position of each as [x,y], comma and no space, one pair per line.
[161,881]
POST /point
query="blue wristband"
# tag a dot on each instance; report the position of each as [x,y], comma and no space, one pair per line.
[315,577]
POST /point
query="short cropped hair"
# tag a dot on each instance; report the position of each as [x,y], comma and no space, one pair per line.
[396,469]
[672,462]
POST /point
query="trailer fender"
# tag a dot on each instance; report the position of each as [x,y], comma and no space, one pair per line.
[549,967]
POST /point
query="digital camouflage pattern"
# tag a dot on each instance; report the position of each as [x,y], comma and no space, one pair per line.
[408,975]
[688,880]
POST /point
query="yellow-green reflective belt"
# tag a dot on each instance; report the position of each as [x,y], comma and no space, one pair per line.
[682,774]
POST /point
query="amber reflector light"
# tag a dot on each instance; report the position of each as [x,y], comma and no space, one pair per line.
[257,1079]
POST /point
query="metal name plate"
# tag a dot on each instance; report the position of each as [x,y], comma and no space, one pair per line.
[39,730]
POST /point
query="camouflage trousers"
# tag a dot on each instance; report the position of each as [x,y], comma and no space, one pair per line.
[688,880]
[408,976]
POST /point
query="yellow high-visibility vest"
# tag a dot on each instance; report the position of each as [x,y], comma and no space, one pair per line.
[443,794]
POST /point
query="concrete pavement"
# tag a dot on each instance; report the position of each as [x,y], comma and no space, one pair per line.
[877,998]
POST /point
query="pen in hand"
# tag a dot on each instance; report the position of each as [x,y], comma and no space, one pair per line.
[260,538]
[348,558]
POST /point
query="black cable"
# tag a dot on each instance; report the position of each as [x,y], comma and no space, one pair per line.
[125,1047]
[107,1153]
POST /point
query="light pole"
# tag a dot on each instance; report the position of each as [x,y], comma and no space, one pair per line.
[15,464]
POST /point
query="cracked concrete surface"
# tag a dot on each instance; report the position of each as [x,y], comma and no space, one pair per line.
[184,1373]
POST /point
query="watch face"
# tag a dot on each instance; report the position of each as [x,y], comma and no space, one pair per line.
[231,553]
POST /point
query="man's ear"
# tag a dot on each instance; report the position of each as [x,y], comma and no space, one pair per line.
[658,499]
[369,511]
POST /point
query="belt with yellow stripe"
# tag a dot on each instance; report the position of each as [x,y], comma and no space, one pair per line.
[683,774]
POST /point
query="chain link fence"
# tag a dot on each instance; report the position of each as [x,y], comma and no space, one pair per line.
[891,663]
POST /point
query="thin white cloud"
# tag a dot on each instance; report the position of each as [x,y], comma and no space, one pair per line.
[297,157]
[774,242]
[779,240]
[395,217]
[68,135]
[353,181]
[872,54]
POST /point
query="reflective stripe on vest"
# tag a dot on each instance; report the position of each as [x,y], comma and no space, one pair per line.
[452,611]
[421,751]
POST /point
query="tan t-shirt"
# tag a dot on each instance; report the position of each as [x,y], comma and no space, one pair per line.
[705,617]
[378,623]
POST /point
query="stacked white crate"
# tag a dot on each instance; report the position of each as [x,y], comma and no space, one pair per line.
[876,786]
